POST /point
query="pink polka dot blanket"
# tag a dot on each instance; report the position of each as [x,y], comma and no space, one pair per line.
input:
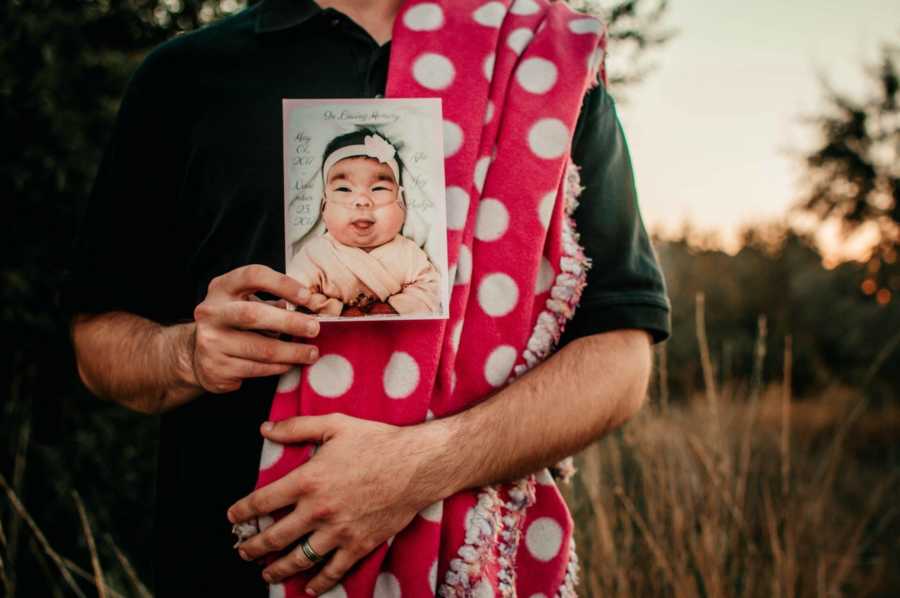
[512,76]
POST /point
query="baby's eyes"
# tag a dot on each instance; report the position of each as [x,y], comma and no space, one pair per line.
[348,190]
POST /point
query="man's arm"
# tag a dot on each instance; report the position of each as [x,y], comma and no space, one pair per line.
[578,394]
[587,389]
[150,368]
[133,361]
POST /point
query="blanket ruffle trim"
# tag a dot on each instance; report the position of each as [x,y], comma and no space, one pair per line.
[493,522]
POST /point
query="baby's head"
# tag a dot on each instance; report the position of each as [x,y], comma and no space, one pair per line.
[363,204]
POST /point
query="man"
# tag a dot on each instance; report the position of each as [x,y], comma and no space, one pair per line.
[184,232]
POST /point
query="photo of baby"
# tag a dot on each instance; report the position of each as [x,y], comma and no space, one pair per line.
[373,246]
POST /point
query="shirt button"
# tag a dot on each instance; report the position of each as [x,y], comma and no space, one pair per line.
[335,22]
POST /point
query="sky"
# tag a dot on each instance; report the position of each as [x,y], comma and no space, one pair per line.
[712,129]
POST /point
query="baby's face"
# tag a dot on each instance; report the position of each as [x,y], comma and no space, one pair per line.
[361,207]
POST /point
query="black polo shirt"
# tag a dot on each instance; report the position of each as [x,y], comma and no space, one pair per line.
[190,187]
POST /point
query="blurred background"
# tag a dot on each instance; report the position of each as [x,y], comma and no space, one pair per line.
[765,138]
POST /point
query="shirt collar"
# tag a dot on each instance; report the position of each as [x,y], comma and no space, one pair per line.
[275,15]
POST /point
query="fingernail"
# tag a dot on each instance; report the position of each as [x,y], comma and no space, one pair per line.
[314,353]
[243,554]
[313,328]
[310,591]
[230,516]
[267,426]
[268,577]
[303,295]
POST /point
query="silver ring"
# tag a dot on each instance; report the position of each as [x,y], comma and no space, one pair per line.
[313,556]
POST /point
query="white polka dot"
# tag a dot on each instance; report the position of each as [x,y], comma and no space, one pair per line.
[587,25]
[289,380]
[544,478]
[544,538]
[489,112]
[432,576]
[463,266]
[265,522]
[545,277]
[276,590]
[433,512]
[453,138]
[271,453]
[330,376]
[481,168]
[499,364]
[518,39]
[483,590]
[548,138]
[457,207]
[524,7]
[337,591]
[537,75]
[401,376]
[487,67]
[387,586]
[433,71]
[427,16]
[456,335]
[497,294]
[491,221]
[545,210]
[594,60]
[490,14]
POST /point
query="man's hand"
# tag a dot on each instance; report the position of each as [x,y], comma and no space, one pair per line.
[369,479]
[364,484]
[226,347]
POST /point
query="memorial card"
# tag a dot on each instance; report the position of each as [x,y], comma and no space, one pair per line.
[364,207]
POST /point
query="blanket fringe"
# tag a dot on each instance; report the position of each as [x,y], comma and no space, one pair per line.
[570,581]
[492,520]
[565,295]
[482,529]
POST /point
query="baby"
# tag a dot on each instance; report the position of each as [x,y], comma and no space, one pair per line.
[362,265]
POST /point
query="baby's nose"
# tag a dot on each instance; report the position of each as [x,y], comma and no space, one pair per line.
[362,200]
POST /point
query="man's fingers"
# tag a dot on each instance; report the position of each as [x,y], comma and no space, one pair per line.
[245,368]
[263,501]
[296,560]
[301,428]
[256,347]
[333,571]
[257,315]
[248,279]
[283,532]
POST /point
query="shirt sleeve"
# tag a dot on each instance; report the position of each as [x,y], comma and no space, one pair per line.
[625,284]
[127,254]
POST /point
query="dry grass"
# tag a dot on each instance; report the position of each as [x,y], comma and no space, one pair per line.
[741,498]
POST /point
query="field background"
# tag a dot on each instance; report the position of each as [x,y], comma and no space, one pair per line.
[765,464]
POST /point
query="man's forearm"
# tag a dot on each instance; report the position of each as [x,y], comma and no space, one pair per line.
[133,361]
[579,394]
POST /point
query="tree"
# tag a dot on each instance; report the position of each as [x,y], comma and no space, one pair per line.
[854,174]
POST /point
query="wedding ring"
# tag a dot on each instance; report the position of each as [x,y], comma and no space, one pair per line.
[313,556]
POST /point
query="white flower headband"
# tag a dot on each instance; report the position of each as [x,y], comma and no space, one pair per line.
[374,146]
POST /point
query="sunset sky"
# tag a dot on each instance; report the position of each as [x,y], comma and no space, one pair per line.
[712,128]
